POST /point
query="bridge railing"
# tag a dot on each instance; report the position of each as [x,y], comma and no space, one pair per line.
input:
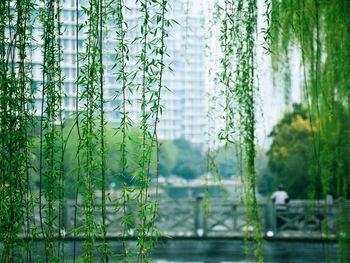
[310,217]
[218,218]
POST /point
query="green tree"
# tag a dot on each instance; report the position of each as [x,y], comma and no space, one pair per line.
[168,155]
[265,180]
[190,160]
[113,156]
[290,152]
[334,152]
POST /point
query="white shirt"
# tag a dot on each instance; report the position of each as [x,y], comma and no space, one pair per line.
[280,197]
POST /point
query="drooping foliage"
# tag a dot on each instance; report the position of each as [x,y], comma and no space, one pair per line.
[320,31]
[239,89]
[92,125]
[16,200]
[139,65]
[40,162]
[51,133]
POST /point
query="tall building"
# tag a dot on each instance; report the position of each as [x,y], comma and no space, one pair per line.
[186,107]
[185,104]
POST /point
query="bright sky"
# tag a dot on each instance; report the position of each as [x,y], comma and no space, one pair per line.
[271,103]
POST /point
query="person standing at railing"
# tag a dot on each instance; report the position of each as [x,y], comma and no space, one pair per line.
[280,198]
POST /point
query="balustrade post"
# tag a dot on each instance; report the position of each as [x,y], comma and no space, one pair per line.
[234,212]
[67,216]
[199,217]
[270,215]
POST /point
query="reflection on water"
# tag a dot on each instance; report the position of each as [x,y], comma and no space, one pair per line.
[232,251]
[171,261]
[215,251]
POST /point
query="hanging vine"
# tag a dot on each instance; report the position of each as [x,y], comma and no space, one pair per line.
[60,140]
[212,169]
[125,79]
[238,79]
[162,24]
[225,77]
[142,177]
[16,120]
[320,30]
[51,141]
[103,148]
[151,65]
[308,24]
[92,139]
[77,125]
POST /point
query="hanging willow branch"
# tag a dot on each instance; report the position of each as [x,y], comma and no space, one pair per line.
[145,65]
[246,102]
[238,79]
[215,97]
[90,143]
[320,30]
[151,67]
[266,29]
[15,100]
[225,78]
[77,125]
[25,9]
[60,139]
[125,80]
[51,150]
[157,109]
[103,151]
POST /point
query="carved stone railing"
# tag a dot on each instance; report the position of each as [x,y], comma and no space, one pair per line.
[308,217]
[188,218]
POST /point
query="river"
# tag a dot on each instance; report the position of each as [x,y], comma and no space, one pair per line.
[219,251]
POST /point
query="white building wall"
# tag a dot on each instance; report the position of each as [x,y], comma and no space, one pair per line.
[185,105]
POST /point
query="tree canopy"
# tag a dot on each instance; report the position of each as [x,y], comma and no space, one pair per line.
[290,152]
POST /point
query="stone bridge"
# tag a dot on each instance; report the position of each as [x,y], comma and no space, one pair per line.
[225,219]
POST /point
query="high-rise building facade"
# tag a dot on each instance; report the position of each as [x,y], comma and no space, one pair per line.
[185,106]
